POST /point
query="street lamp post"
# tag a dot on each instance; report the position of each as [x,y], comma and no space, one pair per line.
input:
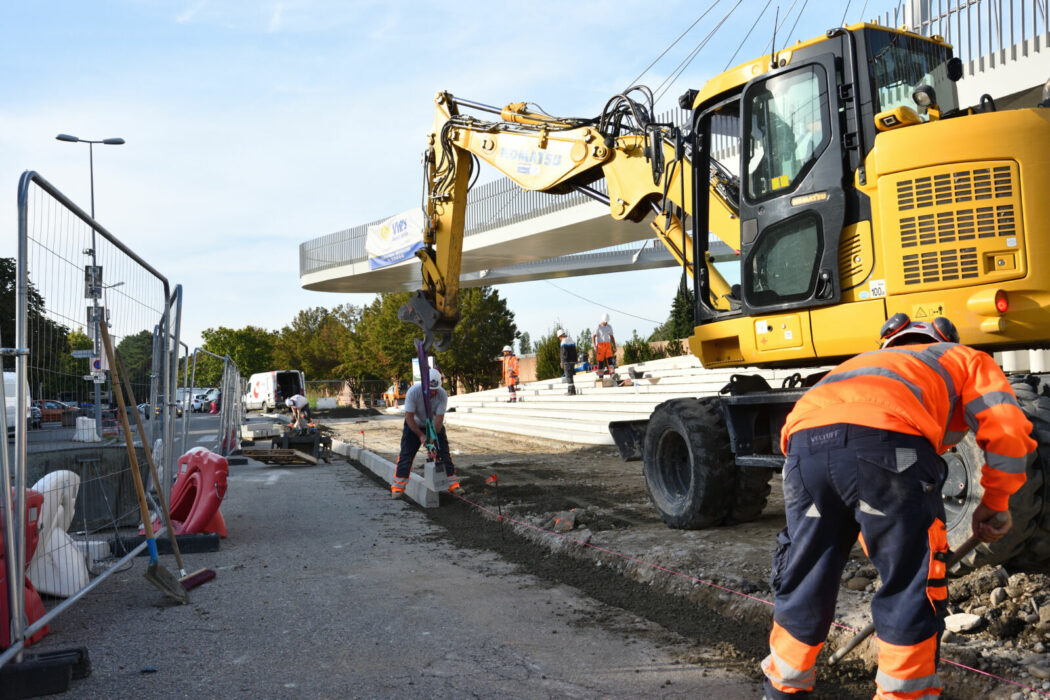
[95,288]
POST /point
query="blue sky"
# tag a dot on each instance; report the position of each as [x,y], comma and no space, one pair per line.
[253,126]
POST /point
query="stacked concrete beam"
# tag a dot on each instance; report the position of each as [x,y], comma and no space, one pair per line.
[544,410]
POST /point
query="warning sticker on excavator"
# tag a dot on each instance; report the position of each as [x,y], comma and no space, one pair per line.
[925,312]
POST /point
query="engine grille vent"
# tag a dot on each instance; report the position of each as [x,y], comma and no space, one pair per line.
[951,217]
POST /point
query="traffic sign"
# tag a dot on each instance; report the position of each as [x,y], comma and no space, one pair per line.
[83,354]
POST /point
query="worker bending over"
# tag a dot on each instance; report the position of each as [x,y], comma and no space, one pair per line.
[300,407]
[862,452]
[510,372]
[604,347]
[414,434]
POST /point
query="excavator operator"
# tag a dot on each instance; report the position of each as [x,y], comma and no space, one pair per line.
[862,451]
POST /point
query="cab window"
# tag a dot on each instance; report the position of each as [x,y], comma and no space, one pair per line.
[782,267]
[788,126]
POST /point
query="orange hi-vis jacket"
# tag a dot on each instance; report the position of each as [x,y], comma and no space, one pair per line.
[510,370]
[937,391]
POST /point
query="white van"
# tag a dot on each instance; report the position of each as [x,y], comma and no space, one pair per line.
[10,398]
[268,390]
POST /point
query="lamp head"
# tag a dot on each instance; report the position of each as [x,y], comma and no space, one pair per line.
[67,137]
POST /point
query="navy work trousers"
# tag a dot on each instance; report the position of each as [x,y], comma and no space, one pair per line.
[841,480]
[410,446]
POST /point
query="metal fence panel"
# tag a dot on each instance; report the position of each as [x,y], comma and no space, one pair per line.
[73,492]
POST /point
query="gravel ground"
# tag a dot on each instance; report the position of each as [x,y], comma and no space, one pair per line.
[631,553]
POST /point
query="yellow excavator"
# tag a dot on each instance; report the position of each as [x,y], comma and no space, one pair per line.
[853,187]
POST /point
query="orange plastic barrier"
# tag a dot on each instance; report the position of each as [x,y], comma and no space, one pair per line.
[34,606]
[198,493]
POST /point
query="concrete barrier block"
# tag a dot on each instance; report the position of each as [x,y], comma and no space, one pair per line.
[423,490]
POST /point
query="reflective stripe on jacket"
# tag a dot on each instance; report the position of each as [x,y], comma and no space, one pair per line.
[938,391]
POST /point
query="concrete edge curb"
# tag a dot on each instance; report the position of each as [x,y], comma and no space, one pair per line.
[422,490]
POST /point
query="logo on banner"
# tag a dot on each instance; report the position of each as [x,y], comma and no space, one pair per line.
[395,240]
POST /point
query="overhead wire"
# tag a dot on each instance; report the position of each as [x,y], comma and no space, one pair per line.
[672,44]
[746,36]
[604,306]
[845,12]
[797,18]
[680,68]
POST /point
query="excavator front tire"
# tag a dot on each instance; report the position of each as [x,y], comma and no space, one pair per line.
[688,463]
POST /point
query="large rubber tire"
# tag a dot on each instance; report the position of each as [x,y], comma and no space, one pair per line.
[1027,545]
[688,463]
[751,495]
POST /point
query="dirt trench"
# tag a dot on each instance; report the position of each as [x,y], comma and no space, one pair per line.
[619,552]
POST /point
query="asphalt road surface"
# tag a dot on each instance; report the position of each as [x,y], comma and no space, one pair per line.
[327,589]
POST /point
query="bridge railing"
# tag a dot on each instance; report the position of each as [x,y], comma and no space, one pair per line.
[493,205]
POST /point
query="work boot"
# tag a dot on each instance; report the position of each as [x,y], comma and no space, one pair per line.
[396,495]
[456,490]
[571,391]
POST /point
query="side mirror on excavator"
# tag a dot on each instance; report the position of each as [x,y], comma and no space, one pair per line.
[955,69]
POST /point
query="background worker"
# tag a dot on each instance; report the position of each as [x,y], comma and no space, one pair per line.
[414,434]
[510,372]
[568,360]
[300,407]
[604,346]
[862,452]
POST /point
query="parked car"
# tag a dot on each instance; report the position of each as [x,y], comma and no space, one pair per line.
[51,411]
[197,403]
[35,416]
[144,409]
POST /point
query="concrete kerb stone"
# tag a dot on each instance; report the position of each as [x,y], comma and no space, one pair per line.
[423,490]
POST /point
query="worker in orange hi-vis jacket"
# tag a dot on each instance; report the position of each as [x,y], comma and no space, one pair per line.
[862,450]
[604,347]
[510,372]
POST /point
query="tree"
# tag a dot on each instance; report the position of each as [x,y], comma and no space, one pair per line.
[485,326]
[637,349]
[548,356]
[45,337]
[584,344]
[382,346]
[251,347]
[679,323]
[136,353]
[314,340]
[524,343]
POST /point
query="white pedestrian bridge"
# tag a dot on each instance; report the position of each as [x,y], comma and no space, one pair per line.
[512,235]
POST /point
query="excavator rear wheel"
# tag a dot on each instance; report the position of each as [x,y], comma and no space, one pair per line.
[688,463]
[1027,545]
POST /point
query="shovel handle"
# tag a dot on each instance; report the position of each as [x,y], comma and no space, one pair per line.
[964,549]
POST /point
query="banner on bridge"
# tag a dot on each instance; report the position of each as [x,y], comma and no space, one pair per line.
[394,240]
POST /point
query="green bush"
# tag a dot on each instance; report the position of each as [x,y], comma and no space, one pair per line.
[548,356]
[637,349]
[674,348]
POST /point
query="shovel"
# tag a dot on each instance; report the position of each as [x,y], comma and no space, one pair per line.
[155,573]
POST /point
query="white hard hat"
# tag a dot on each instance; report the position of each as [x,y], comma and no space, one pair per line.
[561,332]
[507,348]
[605,318]
[435,378]
[289,402]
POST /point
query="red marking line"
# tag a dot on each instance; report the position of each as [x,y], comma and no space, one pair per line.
[642,562]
